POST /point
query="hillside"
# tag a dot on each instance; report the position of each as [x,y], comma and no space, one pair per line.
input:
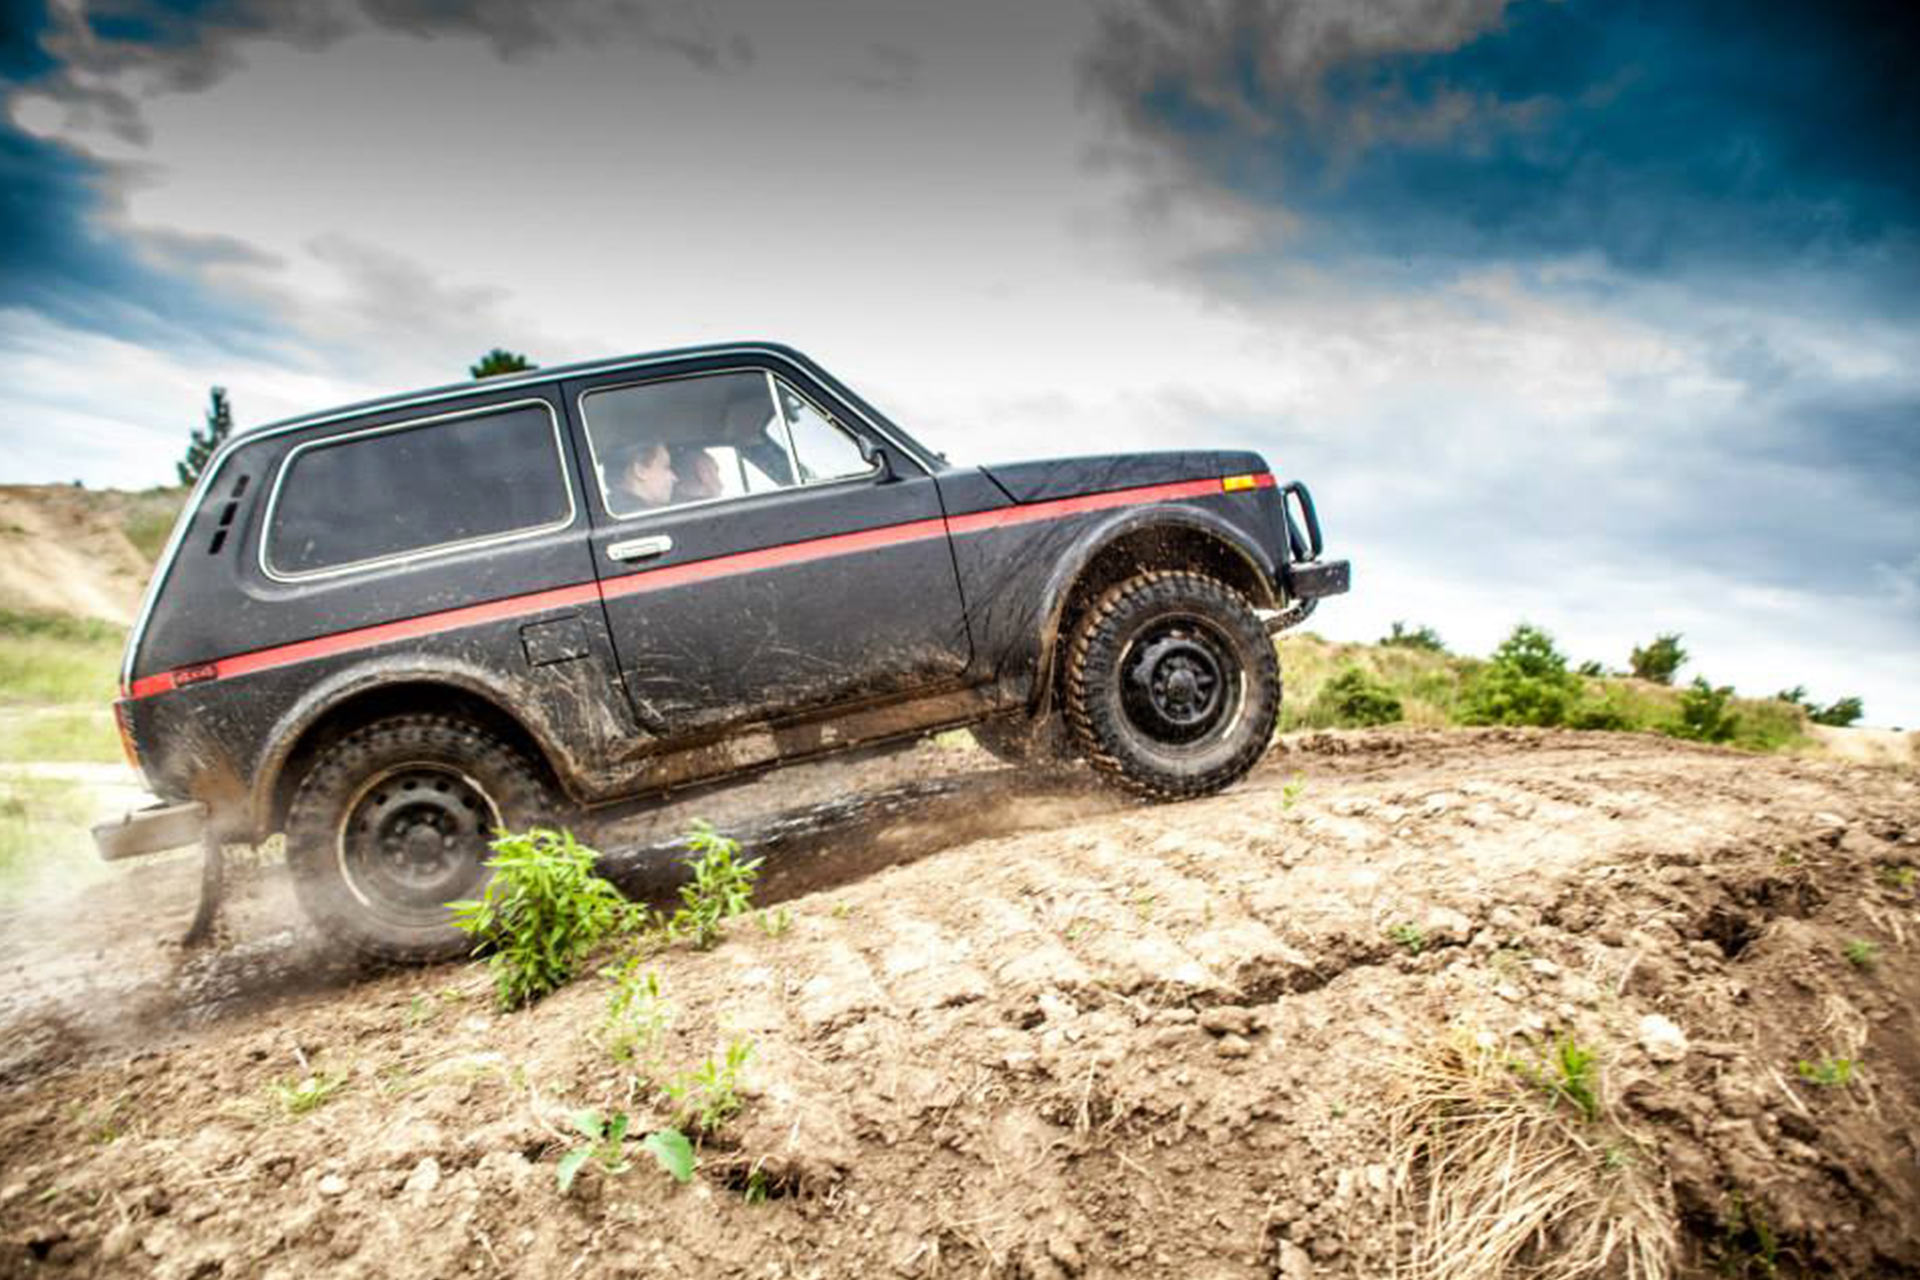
[80,553]
[1421,996]
[1016,1028]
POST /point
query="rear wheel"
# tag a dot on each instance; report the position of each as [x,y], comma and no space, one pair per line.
[1172,685]
[393,821]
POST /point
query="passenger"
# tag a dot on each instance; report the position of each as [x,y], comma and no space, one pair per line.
[696,476]
[643,471]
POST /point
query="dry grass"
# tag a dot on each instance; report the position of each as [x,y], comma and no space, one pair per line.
[1504,1181]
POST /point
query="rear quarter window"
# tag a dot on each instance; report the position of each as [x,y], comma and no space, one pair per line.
[414,488]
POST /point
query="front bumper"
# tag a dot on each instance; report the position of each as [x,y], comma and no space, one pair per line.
[1316,578]
[163,826]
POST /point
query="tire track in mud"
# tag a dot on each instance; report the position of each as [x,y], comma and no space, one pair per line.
[1092,1034]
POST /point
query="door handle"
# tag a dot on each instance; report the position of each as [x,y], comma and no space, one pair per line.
[640,548]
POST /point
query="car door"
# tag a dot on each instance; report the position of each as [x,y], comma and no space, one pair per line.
[755,558]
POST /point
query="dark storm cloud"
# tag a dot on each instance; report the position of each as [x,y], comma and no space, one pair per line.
[1658,134]
[57,259]
[65,249]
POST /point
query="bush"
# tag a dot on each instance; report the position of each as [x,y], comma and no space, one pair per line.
[1608,711]
[1659,660]
[1354,699]
[1526,683]
[721,888]
[1840,714]
[542,912]
[1404,637]
[1703,714]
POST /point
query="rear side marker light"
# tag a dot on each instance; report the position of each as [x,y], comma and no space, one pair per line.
[1233,484]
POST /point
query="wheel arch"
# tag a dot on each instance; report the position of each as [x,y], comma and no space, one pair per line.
[334,709]
[1163,538]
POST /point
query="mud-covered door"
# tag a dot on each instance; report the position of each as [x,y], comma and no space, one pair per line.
[755,559]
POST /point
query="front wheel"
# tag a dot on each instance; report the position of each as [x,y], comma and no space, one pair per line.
[1172,685]
[393,821]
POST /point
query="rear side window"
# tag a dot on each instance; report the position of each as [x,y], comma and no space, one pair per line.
[417,487]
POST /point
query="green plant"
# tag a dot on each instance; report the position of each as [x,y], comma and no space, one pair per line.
[1291,790]
[1860,953]
[1526,683]
[1703,713]
[1659,660]
[1404,637]
[297,1097]
[1570,1074]
[606,1139]
[542,912]
[1828,1073]
[708,1096]
[636,1014]
[1747,1246]
[757,1186]
[774,923]
[499,361]
[201,444]
[1608,711]
[671,1150]
[1354,699]
[1897,877]
[1839,714]
[721,887]
[1409,935]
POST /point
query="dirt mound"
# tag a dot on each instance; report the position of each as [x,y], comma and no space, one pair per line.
[1096,1039]
[81,552]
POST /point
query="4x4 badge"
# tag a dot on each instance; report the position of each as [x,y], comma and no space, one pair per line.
[195,675]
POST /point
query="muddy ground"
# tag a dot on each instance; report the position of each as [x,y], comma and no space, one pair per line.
[1020,1027]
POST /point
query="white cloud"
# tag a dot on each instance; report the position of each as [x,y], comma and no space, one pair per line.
[1499,446]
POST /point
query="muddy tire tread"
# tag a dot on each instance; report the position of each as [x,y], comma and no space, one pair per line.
[523,799]
[1086,716]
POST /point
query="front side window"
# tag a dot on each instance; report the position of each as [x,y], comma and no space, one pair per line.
[698,439]
[396,491]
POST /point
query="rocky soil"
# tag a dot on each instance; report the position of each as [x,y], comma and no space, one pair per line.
[1019,1028]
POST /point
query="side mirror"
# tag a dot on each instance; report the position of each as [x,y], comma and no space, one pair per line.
[875,455]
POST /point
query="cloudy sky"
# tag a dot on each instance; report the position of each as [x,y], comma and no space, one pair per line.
[1601,315]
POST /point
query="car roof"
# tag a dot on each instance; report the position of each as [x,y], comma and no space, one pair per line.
[502,382]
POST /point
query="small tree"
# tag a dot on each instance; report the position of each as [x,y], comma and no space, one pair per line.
[204,441]
[1404,637]
[1703,713]
[1527,682]
[1354,699]
[499,361]
[1840,714]
[1659,660]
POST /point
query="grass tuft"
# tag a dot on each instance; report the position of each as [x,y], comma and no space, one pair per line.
[1503,1181]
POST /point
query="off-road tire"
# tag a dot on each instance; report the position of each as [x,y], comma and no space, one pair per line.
[381,887]
[1212,725]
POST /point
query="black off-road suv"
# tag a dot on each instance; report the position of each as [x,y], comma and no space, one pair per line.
[391,629]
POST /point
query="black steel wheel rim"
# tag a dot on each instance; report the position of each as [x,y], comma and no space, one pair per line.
[1177,680]
[414,839]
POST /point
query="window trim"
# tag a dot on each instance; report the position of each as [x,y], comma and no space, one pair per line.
[435,549]
[771,377]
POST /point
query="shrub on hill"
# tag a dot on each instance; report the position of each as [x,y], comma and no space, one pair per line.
[1354,699]
[1527,683]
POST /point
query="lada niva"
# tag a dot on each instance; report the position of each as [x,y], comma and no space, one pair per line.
[390,630]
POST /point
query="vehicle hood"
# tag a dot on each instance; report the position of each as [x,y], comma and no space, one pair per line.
[1102,473]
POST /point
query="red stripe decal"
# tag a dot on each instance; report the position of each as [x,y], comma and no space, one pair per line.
[838,544]
[666,576]
[1004,516]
